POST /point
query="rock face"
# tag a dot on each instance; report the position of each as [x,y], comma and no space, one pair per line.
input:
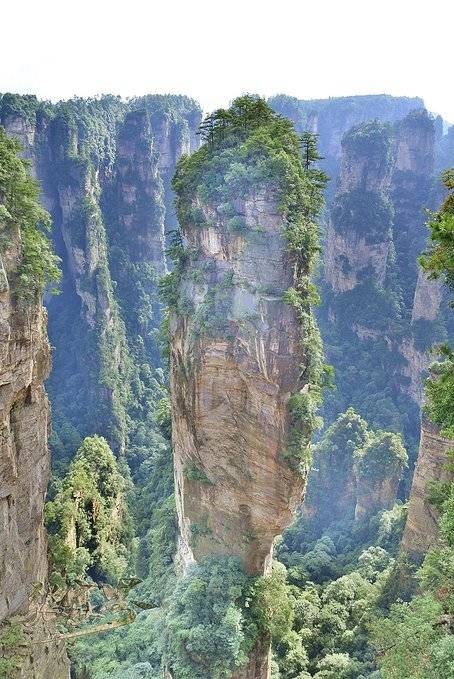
[375,496]
[377,304]
[244,347]
[105,167]
[359,235]
[421,529]
[410,192]
[427,299]
[24,474]
[230,388]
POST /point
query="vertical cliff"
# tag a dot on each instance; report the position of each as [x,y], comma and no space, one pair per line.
[245,352]
[421,529]
[379,308]
[26,263]
[105,168]
[359,234]
[332,118]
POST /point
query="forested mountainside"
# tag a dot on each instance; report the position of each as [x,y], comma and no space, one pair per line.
[376,301]
[239,304]
[26,266]
[105,168]
[332,118]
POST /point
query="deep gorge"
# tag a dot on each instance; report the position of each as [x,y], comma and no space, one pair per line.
[188,330]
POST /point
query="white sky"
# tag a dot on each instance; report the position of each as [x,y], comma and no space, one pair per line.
[215,50]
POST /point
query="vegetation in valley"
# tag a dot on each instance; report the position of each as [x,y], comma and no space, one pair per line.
[88,520]
[332,604]
[338,561]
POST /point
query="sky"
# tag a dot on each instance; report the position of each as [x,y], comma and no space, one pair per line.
[214,51]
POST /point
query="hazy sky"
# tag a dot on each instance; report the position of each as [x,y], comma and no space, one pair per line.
[215,50]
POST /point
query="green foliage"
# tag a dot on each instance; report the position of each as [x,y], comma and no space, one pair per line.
[209,632]
[372,139]
[302,408]
[439,390]
[24,105]
[90,532]
[252,147]
[438,261]
[383,456]
[271,605]
[20,209]
[12,640]
[339,568]
[194,473]
[119,653]
[328,638]
[366,213]
[404,639]
[309,147]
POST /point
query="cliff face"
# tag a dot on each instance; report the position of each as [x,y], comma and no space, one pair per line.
[244,348]
[414,144]
[24,474]
[230,388]
[332,118]
[421,529]
[373,496]
[377,303]
[105,168]
[359,235]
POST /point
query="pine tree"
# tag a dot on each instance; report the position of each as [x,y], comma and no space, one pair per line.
[310,153]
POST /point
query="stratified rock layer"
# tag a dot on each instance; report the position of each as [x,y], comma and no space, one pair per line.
[230,389]
[24,474]
[421,529]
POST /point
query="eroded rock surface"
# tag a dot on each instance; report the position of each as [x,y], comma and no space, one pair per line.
[105,168]
[421,529]
[235,361]
[24,474]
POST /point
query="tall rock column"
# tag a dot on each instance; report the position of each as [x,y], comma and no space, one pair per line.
[245,363]
[421,528]
[24,423]
[359,234]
